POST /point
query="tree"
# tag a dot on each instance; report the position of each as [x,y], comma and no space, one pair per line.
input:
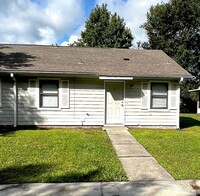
[174,27]
[104,29]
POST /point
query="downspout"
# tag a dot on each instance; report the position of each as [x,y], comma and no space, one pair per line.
[15,99]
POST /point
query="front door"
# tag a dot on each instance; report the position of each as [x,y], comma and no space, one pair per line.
[114,102]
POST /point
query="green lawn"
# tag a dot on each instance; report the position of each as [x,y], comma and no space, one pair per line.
[58,156]
[177,151]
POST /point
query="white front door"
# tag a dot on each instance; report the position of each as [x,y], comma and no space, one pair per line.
[114,102]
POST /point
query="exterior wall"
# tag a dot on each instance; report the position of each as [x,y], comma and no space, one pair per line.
[136,116]
[86,105]
[6,111]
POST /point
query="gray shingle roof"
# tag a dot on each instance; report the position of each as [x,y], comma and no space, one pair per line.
[97,61]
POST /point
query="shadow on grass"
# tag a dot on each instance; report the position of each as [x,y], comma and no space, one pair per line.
[10,130]
[25,173]
[32,174]
[88,176]
[186,122]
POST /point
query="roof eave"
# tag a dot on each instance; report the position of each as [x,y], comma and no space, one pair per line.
[21,72]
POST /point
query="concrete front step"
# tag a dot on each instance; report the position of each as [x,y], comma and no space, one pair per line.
[114,129]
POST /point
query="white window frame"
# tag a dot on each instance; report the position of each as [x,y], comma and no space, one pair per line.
[159,82]
[59,94]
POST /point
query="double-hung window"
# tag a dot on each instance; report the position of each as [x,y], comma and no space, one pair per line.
[159,95]
[49,93]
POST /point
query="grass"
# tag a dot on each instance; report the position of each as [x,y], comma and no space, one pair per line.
[58,156]
[177,151]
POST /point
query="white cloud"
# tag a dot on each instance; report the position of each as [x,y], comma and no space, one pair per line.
[45,22]
[65,43]
[73,38]
[47,36]
[133,12]
[24,21]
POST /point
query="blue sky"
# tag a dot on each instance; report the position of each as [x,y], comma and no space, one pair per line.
[61,21]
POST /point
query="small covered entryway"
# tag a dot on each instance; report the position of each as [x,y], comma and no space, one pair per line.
[114,104]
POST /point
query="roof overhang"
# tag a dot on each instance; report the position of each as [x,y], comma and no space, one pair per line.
[115,78]
[49,73]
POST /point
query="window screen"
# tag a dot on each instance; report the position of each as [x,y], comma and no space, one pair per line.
[49,97]
[159,94]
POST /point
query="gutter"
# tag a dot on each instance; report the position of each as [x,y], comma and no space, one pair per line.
[50,72]
[15,99]
[30,72]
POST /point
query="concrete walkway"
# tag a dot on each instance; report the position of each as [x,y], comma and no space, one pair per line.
[142,188]
[138,164]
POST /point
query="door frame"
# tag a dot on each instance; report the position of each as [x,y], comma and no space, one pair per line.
[105,102]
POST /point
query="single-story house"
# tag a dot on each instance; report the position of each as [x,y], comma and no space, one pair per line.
[58,86]
[198,101]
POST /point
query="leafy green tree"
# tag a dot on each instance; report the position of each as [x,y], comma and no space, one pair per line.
[104,29]
[174,27]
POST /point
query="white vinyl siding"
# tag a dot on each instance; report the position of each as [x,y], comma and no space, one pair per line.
[0,93]
[86,104]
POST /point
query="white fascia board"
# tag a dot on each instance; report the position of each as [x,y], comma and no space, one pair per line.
[114,78]
[194,90]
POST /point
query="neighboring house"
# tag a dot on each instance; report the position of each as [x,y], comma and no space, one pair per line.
[48,85]
[198,101]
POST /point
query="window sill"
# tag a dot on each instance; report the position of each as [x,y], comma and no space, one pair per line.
[155,110]
[49,109]
[36,108]
[164,110]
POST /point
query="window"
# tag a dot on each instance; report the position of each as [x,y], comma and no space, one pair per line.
[159,95]
[49,93]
